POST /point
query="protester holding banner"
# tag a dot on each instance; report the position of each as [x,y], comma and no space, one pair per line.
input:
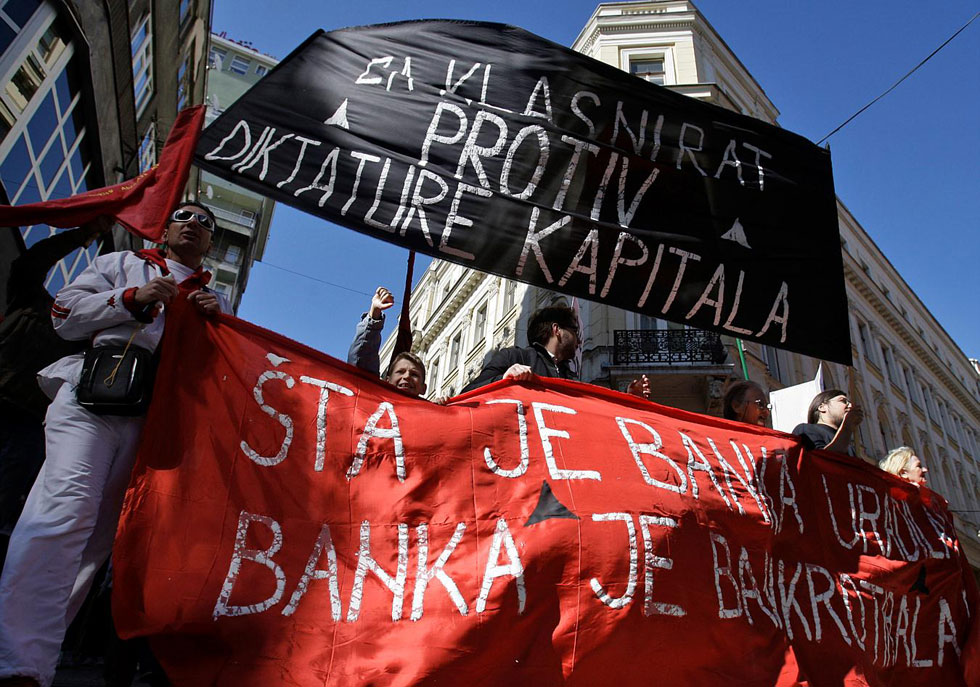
[66,530]
[407,371]
[746,402]
[553,335]
[903,462]
[547,534]
[831,421]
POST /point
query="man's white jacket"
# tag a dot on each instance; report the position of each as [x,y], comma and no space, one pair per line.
[99,305]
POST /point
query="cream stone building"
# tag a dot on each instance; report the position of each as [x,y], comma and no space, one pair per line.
[917,387]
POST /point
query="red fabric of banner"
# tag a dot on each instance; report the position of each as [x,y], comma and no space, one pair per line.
[293,521]
[141,205]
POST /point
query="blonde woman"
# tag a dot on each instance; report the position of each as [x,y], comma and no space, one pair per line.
[903,462]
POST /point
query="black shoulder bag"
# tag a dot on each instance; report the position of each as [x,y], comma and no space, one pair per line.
[117,380]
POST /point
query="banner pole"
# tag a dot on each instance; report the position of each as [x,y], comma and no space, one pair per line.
[741,356]
[403,340]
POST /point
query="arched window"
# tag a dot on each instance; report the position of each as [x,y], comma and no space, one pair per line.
[949,483]
[884,427]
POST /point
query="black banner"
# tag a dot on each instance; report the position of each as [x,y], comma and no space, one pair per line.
[491,147]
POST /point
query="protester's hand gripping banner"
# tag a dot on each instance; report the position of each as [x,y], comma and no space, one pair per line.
[488,146]
[293,521]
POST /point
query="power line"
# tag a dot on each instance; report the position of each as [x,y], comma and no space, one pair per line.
[894,85]
[322,281]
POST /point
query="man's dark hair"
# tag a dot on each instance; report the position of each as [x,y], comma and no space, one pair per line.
[736,394]
[197,204]
[410,357]
[813,414]
[539,326]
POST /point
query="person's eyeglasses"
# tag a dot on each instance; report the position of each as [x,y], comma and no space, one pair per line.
[762,404]
[183,216]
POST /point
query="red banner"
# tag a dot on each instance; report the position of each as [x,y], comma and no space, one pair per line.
[141,205]
[292,521]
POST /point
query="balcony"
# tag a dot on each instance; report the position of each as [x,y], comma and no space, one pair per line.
[235,217]
[670,346]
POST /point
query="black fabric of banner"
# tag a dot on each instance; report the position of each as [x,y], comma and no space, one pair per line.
[491,147]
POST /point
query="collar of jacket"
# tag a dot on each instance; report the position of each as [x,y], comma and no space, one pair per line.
[549,358]
[157,256]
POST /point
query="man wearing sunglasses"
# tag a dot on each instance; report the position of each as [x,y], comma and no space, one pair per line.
[65,532]
[553,335]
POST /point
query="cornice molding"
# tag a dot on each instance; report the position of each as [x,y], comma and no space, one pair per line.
[653,23]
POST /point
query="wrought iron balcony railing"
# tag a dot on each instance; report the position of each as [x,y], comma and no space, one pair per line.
[667,346]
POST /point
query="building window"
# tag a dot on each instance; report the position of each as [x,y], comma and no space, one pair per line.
[944,418]
[184,80]
[50,46]
[771,356]
[510,294]
[142,48]
[931,405]
[454,347]
[46,154]
[480,325]
[24,83]
[216,58]
[185,11]
[14,15]
[645,322]
[434,375]
[649,69]
[909,384]
[148,148]
[891,371]
[261,70]
[20,11]
[233,254]
[865,338]
[240,65]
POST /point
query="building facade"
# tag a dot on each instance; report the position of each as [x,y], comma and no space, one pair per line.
[90,93]
[917,386]
[243,216]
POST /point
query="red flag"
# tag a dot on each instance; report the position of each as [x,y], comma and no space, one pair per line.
[294,521]
[141,205]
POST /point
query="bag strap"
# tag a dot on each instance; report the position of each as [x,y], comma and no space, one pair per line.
[111,377]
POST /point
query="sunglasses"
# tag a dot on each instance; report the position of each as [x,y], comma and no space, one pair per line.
[762,405]
[184,216]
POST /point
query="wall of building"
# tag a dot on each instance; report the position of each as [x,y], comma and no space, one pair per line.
[244,217]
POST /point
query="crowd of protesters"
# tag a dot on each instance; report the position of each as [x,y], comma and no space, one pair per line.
[117,306]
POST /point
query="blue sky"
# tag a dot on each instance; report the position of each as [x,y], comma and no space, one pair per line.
[908,168]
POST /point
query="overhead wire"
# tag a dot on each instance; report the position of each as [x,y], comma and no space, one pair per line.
[894,85]
[307,276]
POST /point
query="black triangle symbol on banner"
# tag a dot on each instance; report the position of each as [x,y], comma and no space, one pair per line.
[920,582]
[548,507]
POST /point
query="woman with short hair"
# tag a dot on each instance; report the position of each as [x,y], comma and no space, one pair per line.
[903,462]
